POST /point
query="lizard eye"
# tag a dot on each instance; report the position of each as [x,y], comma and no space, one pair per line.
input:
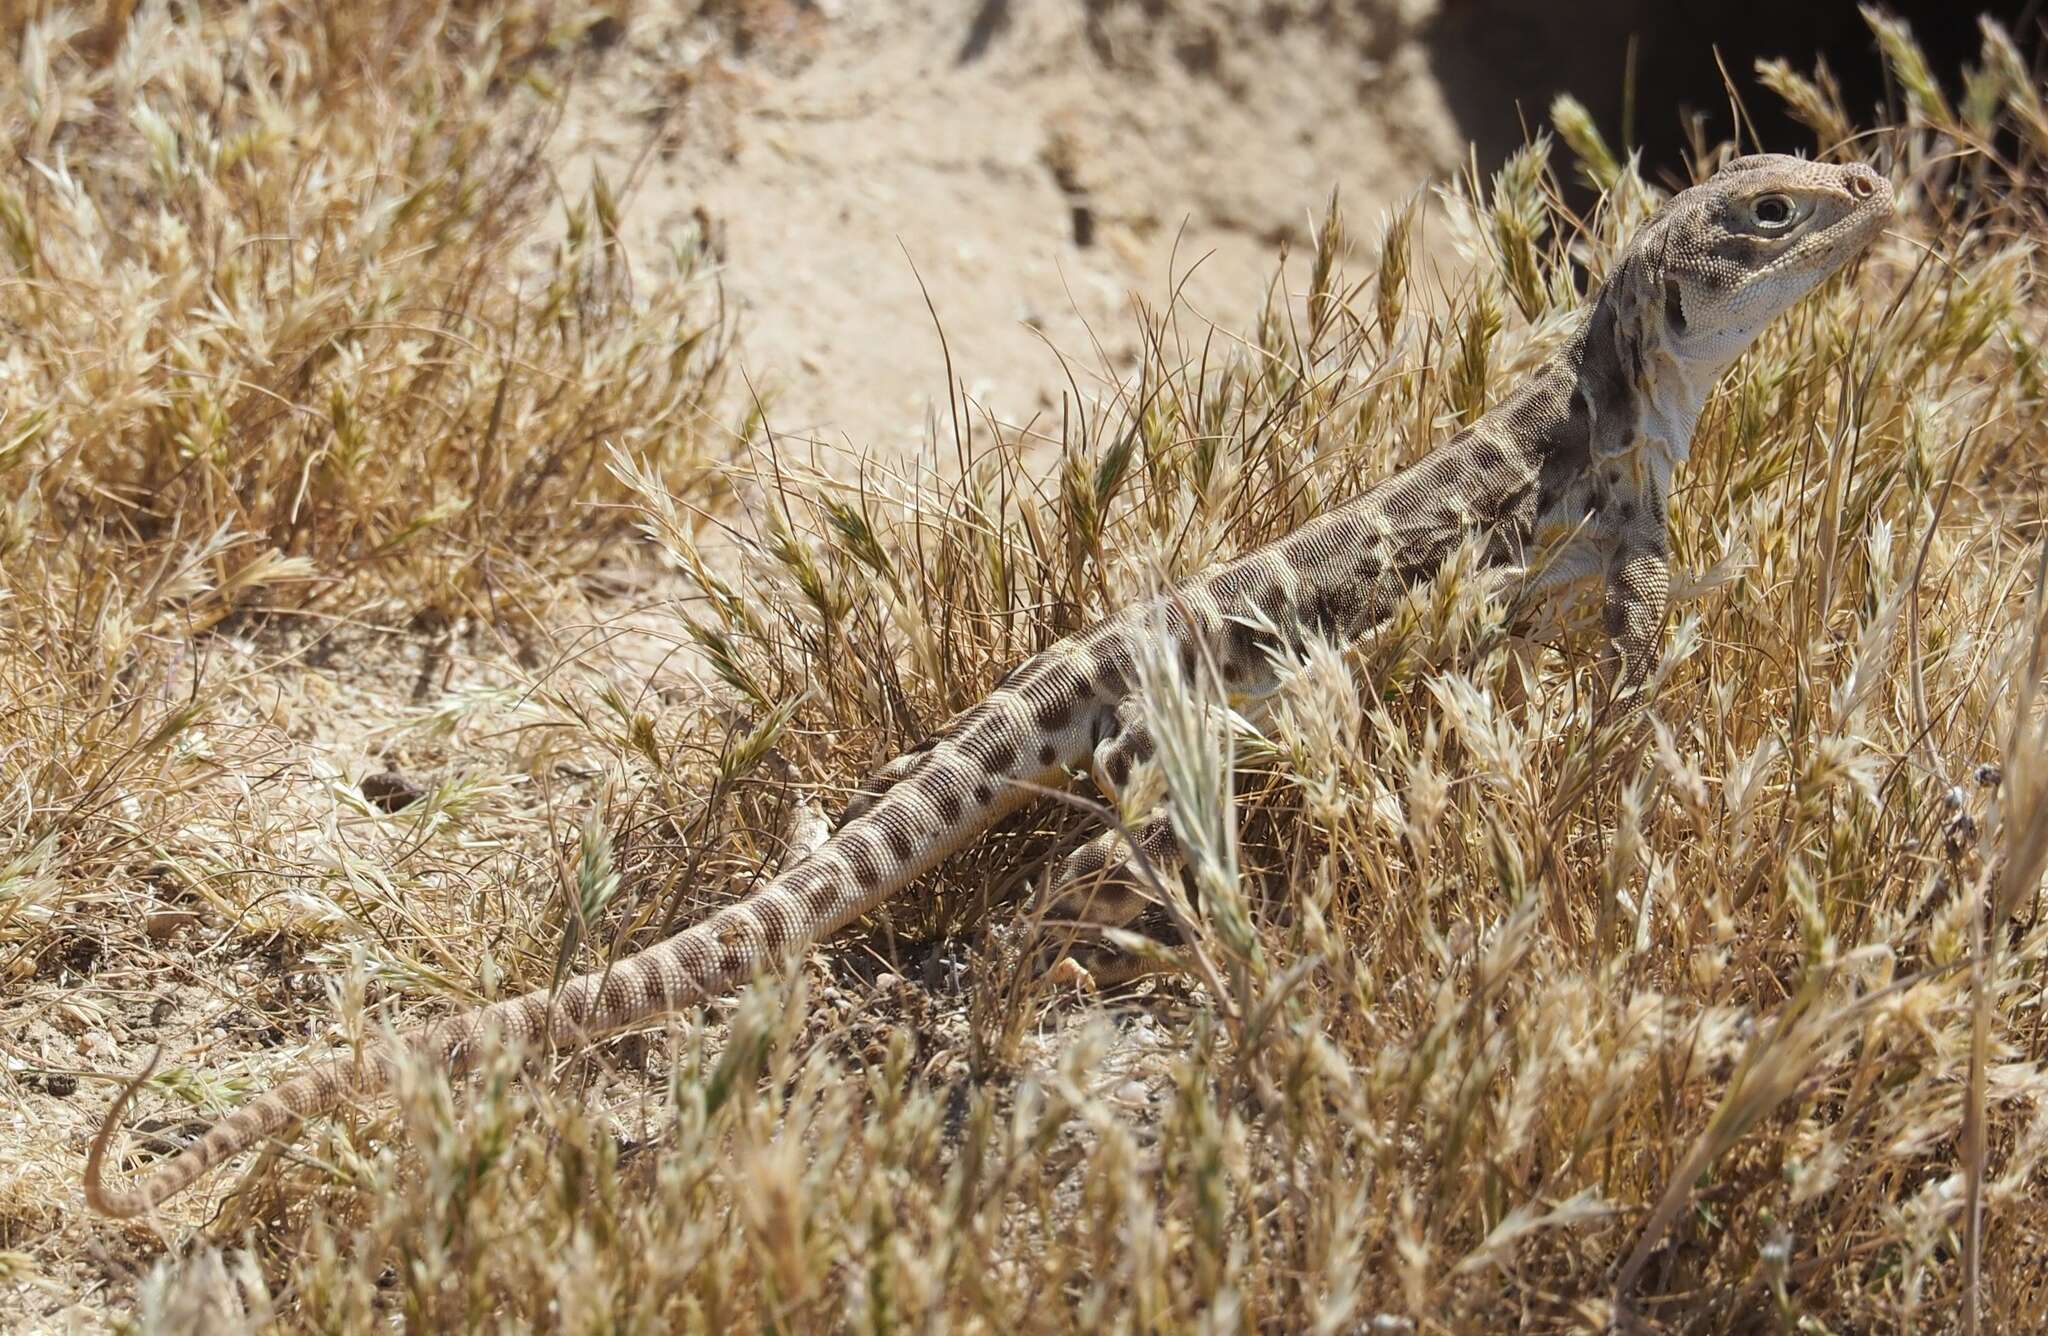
[1773,211]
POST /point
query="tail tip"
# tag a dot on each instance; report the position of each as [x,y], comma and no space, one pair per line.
[115,1202]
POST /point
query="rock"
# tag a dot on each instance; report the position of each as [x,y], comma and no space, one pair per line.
[160,925]
[391,791]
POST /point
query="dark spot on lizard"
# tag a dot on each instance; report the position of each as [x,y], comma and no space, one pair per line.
[865,862]
[1108,677]
[1055,714]
[1001,756]
[1341,607]
[768,921]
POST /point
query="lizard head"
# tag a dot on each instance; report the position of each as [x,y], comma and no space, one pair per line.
[1713,267]
[1737,250]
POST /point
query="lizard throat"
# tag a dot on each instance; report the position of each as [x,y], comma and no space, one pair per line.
[1674,394]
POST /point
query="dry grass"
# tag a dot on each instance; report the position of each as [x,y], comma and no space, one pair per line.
[314,461]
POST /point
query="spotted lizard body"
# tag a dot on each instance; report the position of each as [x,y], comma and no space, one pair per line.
[1565,480]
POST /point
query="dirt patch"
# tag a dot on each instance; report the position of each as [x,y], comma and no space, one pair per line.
[1010,174]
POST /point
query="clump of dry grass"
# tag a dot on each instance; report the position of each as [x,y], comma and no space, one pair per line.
[288,329]
[1498,1024]
[299,348]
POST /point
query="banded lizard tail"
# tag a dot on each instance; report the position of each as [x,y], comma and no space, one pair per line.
[1565,479]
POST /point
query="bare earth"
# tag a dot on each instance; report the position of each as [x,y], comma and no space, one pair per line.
[1032,167]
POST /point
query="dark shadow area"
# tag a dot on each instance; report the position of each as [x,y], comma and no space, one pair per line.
[1500,62]
[991,20]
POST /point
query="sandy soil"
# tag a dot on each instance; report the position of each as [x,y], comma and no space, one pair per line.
[1026,168]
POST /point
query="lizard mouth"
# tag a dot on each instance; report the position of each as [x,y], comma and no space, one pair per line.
[1860,226]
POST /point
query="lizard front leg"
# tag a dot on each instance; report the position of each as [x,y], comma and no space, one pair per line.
[1638,591]
[1637,588]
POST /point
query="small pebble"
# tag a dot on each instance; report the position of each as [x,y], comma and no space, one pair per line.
[163,924]
[391,791]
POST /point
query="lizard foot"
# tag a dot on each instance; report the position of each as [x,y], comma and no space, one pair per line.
[1068,972]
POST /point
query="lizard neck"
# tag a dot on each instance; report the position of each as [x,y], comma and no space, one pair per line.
[1634,389]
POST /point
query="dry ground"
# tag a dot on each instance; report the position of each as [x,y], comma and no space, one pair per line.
[1010,170]
[404,603]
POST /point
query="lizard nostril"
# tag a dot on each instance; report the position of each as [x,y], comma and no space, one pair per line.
[1862,184]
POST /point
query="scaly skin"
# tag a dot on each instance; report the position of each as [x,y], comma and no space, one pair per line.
[1566,479]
